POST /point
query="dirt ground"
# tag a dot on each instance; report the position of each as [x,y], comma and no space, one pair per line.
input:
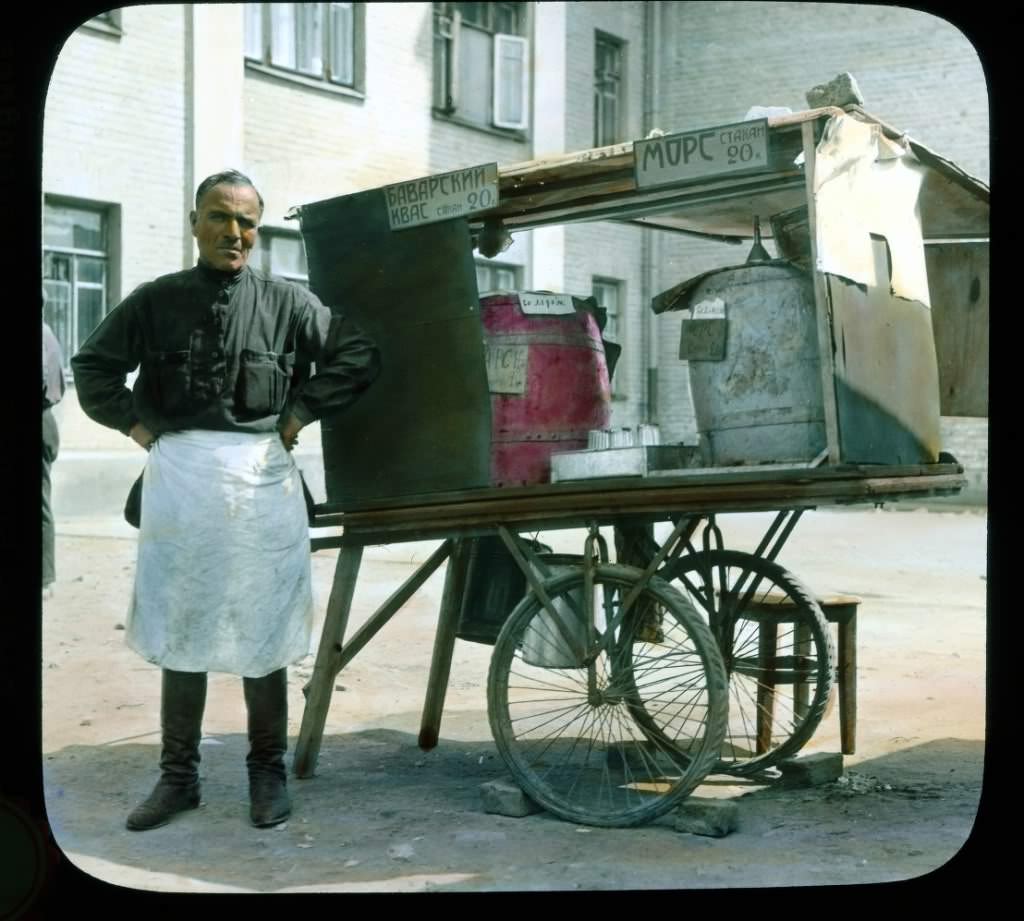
[381,815]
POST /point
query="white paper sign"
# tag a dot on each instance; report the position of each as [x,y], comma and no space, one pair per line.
[506,367]
[712,309]
[442,197]
[534,303]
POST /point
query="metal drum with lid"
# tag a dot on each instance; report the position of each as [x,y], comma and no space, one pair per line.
[758,398]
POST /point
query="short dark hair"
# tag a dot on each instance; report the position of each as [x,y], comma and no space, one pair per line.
[227,177]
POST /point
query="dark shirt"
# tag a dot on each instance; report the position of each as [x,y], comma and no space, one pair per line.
[53,369]
[222,351]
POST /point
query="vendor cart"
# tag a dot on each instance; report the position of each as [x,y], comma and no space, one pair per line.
[624,676]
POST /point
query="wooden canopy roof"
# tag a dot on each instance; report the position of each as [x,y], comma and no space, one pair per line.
[599,184]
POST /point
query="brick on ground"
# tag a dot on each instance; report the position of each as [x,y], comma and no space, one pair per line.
[811,770]
[505,798]
[713,818]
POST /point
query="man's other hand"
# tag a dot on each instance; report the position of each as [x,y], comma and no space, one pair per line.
[142,436]
[290,432]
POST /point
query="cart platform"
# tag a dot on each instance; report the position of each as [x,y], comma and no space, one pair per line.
[466,513]
[629,505]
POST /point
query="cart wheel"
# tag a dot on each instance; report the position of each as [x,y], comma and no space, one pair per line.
[563,720]
[777,651]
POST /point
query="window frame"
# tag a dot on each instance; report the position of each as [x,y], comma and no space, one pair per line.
[74,254]
[619,336]
[265,244]
[497,84]
[600,129]
[447,25]
[326,80]
[493,267]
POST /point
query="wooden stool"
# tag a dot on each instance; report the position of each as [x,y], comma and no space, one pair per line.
[838,609]
[842,610]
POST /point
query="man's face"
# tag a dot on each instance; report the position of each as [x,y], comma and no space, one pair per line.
[225,225]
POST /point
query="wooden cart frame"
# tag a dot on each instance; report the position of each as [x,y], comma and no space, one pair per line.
[601,185]
[456,518]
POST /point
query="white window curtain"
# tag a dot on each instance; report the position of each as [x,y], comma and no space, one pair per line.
[342,43]
[254,31]
[287,257]
[282,34]
[475,64]
[309,38]
[510,81]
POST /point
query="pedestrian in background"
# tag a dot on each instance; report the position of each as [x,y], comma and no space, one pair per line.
[53,390]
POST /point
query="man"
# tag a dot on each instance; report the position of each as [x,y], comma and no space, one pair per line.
[224,386]
[53,391]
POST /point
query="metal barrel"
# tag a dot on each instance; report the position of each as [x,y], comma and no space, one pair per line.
[549,383]
[762,401]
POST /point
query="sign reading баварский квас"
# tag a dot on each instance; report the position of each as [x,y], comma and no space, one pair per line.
[442,197]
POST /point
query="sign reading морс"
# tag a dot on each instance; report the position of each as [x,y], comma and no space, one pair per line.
[738,148]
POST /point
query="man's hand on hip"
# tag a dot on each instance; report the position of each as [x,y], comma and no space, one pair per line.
[142,436]
[290,432]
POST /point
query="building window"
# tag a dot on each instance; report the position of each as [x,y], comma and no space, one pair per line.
[321,41]
[281,253]
[608,292]
[608,90]
[498,276]
[75,272]
[481,63]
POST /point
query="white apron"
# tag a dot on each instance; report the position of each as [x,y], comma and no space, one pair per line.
[223,577]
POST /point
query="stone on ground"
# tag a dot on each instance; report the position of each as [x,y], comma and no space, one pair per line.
[714,818]
[505,798]
[811,770]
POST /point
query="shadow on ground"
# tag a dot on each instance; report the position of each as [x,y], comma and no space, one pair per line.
[381,815]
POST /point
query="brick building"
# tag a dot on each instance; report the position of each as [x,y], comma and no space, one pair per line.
[318,100]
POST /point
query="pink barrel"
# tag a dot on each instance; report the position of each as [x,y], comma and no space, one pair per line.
[549,386]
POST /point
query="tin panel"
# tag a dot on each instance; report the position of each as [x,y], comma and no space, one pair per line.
[886,376]
[703,332]
[425,424]
[958,278]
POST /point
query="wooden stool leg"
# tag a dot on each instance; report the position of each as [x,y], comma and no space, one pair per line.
[321,685]
[767,643]
[847,679]
[444,644]
[801,648]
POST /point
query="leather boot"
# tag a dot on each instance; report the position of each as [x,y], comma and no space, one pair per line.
[182,700]
[266,699]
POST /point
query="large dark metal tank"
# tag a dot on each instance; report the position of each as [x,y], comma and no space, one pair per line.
[425,424]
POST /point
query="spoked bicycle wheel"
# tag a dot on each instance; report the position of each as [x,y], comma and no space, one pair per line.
[561,704]
[777,652]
